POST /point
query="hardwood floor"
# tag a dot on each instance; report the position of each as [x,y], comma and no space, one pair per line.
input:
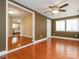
[50,49]
[17,41]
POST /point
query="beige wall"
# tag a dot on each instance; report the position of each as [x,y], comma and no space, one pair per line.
[2,25]
[26,26]
[40,26]
[9,26]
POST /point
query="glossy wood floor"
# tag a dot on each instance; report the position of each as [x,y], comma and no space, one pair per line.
[17,41]
[50,49]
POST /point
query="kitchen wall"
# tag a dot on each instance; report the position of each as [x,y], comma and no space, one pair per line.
[2,25]
[9,26]
[26,26]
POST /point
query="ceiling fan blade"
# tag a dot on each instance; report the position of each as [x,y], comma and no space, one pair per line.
[64,5]
[63,10]
[50,6]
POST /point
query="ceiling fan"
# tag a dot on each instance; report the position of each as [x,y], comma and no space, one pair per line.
[55,8]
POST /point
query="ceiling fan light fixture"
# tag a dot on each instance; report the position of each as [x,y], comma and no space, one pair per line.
[12,12]
[55,11]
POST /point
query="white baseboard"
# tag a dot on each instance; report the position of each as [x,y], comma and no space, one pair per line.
[38,41]
[7,52]
[27,36]
[41,40]
[2,53]
[68,38]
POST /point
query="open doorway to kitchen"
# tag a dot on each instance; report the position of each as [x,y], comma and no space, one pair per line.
[20,26]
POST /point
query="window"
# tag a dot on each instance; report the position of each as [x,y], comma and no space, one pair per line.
[72,25]
[15,25]
[60,25]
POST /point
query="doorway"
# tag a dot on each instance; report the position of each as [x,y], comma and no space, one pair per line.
[20,28]
[48,27]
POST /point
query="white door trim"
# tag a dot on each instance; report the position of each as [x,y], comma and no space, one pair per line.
[48,28]
[33,21]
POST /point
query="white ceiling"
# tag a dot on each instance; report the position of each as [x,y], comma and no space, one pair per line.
[18,12]
[42,5]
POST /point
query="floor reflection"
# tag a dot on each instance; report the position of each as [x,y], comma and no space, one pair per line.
[14,40]
[60,48]
[71,51]
[18,41]
[68,49]
[50,49]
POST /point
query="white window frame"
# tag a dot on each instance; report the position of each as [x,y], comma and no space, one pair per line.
[72,25]
[57,30]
